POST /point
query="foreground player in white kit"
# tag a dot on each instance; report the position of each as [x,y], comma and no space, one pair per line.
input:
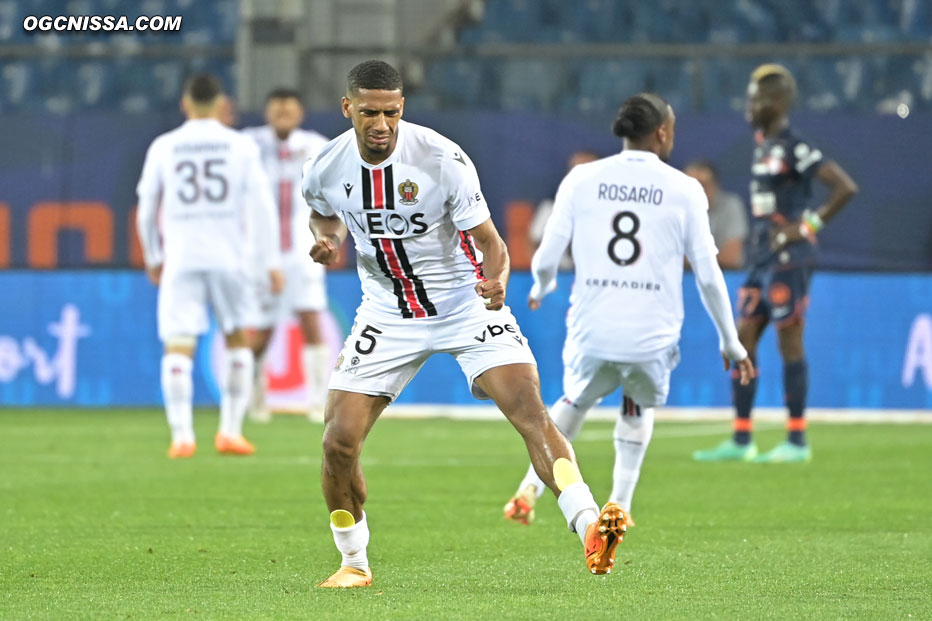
[630,218]
[412,201]
[285,147]
[208,182]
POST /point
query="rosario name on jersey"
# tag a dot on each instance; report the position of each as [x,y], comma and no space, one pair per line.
[781,187]
[209,183]
[631,219]
[283,161]
[409,217]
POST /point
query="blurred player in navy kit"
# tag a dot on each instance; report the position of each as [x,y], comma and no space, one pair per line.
[781,258]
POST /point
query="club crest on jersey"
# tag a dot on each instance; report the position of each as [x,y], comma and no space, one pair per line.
[408,190]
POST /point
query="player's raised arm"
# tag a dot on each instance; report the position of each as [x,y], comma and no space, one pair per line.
[149,191]
[701,252]
[557,235]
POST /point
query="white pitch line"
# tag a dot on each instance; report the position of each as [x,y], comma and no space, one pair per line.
[725,414]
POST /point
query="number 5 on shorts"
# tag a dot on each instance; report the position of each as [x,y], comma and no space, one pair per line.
[367,335]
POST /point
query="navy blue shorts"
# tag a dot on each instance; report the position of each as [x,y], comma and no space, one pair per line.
[778,295]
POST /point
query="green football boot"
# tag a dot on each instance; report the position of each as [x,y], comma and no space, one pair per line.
[785,453]
[729,450]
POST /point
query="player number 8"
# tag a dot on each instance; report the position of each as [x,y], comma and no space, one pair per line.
[627,235]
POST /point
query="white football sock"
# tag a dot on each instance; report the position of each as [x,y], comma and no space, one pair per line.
[352,542]
[234,397]
[632,436]
[316,361]
[568,419]
[178,393]
[258,384]
[578,507]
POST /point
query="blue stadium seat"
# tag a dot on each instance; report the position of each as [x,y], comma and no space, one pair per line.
[603,85]
[19,80]
[595,20]
[514,21]
[529,84]
[459,82]
[95,85]
[722,83]
[674,80]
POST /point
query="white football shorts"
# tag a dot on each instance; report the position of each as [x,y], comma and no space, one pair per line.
[184,296]
[305,290]
[383,352]
[586,379]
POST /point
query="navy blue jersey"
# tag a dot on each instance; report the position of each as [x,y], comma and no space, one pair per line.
[782,171]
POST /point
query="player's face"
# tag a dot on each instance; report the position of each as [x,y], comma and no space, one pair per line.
[284,114]
[375,115]
[665,135]
[763,107]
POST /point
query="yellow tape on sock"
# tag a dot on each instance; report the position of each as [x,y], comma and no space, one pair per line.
[342,519]
[565,473]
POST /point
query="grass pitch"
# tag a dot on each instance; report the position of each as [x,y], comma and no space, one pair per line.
[96,523]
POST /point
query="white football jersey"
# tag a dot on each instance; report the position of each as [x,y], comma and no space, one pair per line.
[631,219]
[409,217]
[283,161]
[208,182]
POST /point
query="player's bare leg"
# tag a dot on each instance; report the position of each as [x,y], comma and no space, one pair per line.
[234,396]
[315,358]
[568,417]
[259,343]
[178,393]
[795,389]
[515,388]
[349,417]
[740,447]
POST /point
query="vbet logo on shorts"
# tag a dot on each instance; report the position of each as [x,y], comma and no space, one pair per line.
[59,367]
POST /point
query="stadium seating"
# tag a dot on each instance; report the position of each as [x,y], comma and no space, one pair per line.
[118,73]
[860,82]
[110,71]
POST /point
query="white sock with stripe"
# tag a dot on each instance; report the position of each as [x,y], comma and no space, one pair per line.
[178,394]
[315,360]
[234,397]
[632,437]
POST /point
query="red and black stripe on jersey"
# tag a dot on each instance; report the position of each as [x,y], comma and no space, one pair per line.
[629,407]
[284,201]
[378,193]
[470,250]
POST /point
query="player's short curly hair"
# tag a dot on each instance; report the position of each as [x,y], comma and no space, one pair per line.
[203,88]
[777,78]
[639,115]
[373,75]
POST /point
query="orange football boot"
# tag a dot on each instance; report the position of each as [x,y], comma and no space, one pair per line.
[181,450]
[233,445]
[603,536]
[347,578]
[520,508]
